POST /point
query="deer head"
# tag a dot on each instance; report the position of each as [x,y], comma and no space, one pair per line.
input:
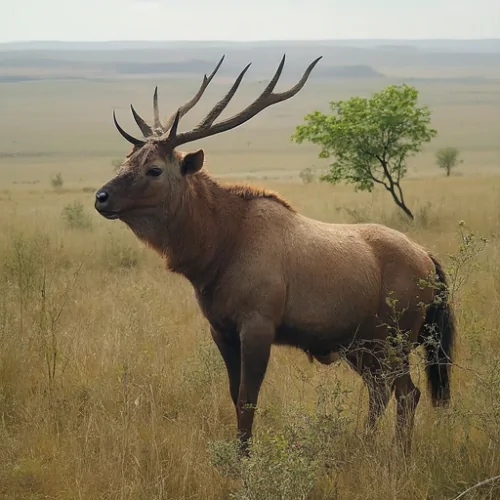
[155,174]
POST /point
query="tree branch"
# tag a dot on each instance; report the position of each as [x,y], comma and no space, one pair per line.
[386,172]
[482,483]
[378,181]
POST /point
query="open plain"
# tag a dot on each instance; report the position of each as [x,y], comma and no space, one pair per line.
[110,385]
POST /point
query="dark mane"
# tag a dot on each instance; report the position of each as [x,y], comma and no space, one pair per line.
[251,193]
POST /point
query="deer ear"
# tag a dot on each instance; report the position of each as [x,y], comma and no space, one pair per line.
[192,162]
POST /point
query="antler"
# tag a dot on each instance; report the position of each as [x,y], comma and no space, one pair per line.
[206,128]
[191,103]
[162,129]
[158,129]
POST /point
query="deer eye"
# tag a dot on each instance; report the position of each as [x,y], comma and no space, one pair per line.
[154,171]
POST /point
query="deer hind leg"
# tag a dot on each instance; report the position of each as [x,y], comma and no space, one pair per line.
[368,363]
[379,393]
[380,385]
[407,398]
[407,394]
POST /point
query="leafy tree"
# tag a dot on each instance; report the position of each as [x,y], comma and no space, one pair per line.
[370,138]
[448,159]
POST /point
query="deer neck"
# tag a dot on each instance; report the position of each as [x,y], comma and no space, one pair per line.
[196,238]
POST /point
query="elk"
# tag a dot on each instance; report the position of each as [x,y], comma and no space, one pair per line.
[264,274]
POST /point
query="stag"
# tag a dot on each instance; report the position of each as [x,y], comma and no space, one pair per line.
[265,274]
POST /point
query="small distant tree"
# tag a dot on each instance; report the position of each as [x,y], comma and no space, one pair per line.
[371,139]
[448,159]
[307,175]
[57,181]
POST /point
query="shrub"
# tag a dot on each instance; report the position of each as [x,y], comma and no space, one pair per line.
[57,181]
[75,216]
[307,175]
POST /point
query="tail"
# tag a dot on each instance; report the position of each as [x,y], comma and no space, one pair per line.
[438,335]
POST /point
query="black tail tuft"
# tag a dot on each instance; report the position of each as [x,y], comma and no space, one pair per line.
[437,335]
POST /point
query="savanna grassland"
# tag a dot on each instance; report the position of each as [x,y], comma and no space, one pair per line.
[110,385]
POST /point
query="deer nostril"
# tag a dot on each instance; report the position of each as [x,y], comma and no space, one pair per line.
[102,196]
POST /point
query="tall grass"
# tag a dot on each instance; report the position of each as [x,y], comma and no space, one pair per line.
[111,388]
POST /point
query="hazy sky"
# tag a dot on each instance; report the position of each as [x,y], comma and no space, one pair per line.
[251,20]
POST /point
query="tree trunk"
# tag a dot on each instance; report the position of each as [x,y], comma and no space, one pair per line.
[402,205]
[391,187]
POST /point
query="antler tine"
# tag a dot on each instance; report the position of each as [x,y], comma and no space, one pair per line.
[267,98]
[173,130]
[145,128]
[156,112]
[158,128]
[222,104]
[131,139]
[274,79]
[282,96]
[192,102]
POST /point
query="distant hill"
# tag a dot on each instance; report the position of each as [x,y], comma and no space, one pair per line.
[350,71]
[32,65]
[341,59]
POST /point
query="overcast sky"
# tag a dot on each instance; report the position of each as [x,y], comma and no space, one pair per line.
[100,20]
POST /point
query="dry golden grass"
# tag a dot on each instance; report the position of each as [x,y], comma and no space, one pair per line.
[111,388]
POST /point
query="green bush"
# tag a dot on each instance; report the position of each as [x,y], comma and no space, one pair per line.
[57,181]
[307,175]
[75,216]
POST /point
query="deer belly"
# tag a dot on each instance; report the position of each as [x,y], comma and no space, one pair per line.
[332,307]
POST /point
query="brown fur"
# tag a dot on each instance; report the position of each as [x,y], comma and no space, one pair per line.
[248,192]
[265,274]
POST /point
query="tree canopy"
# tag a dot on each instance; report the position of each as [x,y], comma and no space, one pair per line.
[370,138]
[448,158]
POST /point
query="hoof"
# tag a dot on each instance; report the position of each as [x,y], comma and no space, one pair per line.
[244,449]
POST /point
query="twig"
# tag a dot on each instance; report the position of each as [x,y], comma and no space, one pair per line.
[482,483]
